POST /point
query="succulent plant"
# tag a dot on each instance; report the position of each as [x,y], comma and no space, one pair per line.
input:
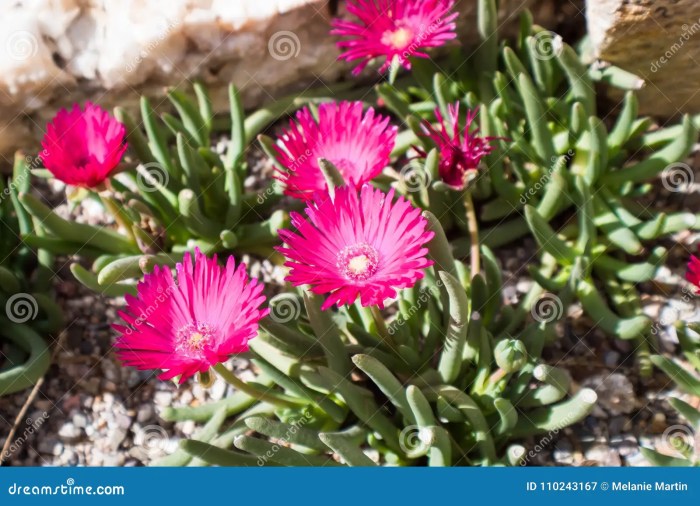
[449,375]
[573,181]
[682,442]
[174,192]
[437,382]
[28,310]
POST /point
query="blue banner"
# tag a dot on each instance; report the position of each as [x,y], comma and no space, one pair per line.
[356,486]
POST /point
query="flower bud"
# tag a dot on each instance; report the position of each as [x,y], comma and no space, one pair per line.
[511,355]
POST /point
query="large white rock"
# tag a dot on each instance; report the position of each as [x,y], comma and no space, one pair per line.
[56,52]
[658,40]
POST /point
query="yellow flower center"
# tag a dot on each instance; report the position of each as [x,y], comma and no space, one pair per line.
[358,262]
[194,337]
[398,39]
[196,340]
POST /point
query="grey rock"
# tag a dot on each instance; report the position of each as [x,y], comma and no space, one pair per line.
[615,392]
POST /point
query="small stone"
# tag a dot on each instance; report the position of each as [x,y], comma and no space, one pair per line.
[637,459]
[69,457]
[625,346]
[132,379]
[110,371]
[69,432]
[43,405]
[186,397]
[199,392]
[615,392]
[115,438]
[611,358]
[113,460]
[92,386]
[658,423]
[145,413]
[603,454]
[187,427]
[123,421]
[80,420]
[163,398]
[626,446]
[110,386]
[563,452]
[139,453]
[218,389]
[524,285]
[50,446]
[617,424]
[70,403]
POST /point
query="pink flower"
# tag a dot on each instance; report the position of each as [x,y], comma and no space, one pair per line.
[693,274]
[366,246]
[189,326]
[460,151]
[82,148]
[394,29]
[358,144]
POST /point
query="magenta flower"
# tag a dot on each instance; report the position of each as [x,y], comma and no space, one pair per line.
[366,246]
[460,151]
[693,274]
[394,29]
[187,327]
[82,148]
[358,144]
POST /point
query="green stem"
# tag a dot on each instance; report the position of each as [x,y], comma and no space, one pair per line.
[269,396]
[113,208]
[472,224]
[382,328]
